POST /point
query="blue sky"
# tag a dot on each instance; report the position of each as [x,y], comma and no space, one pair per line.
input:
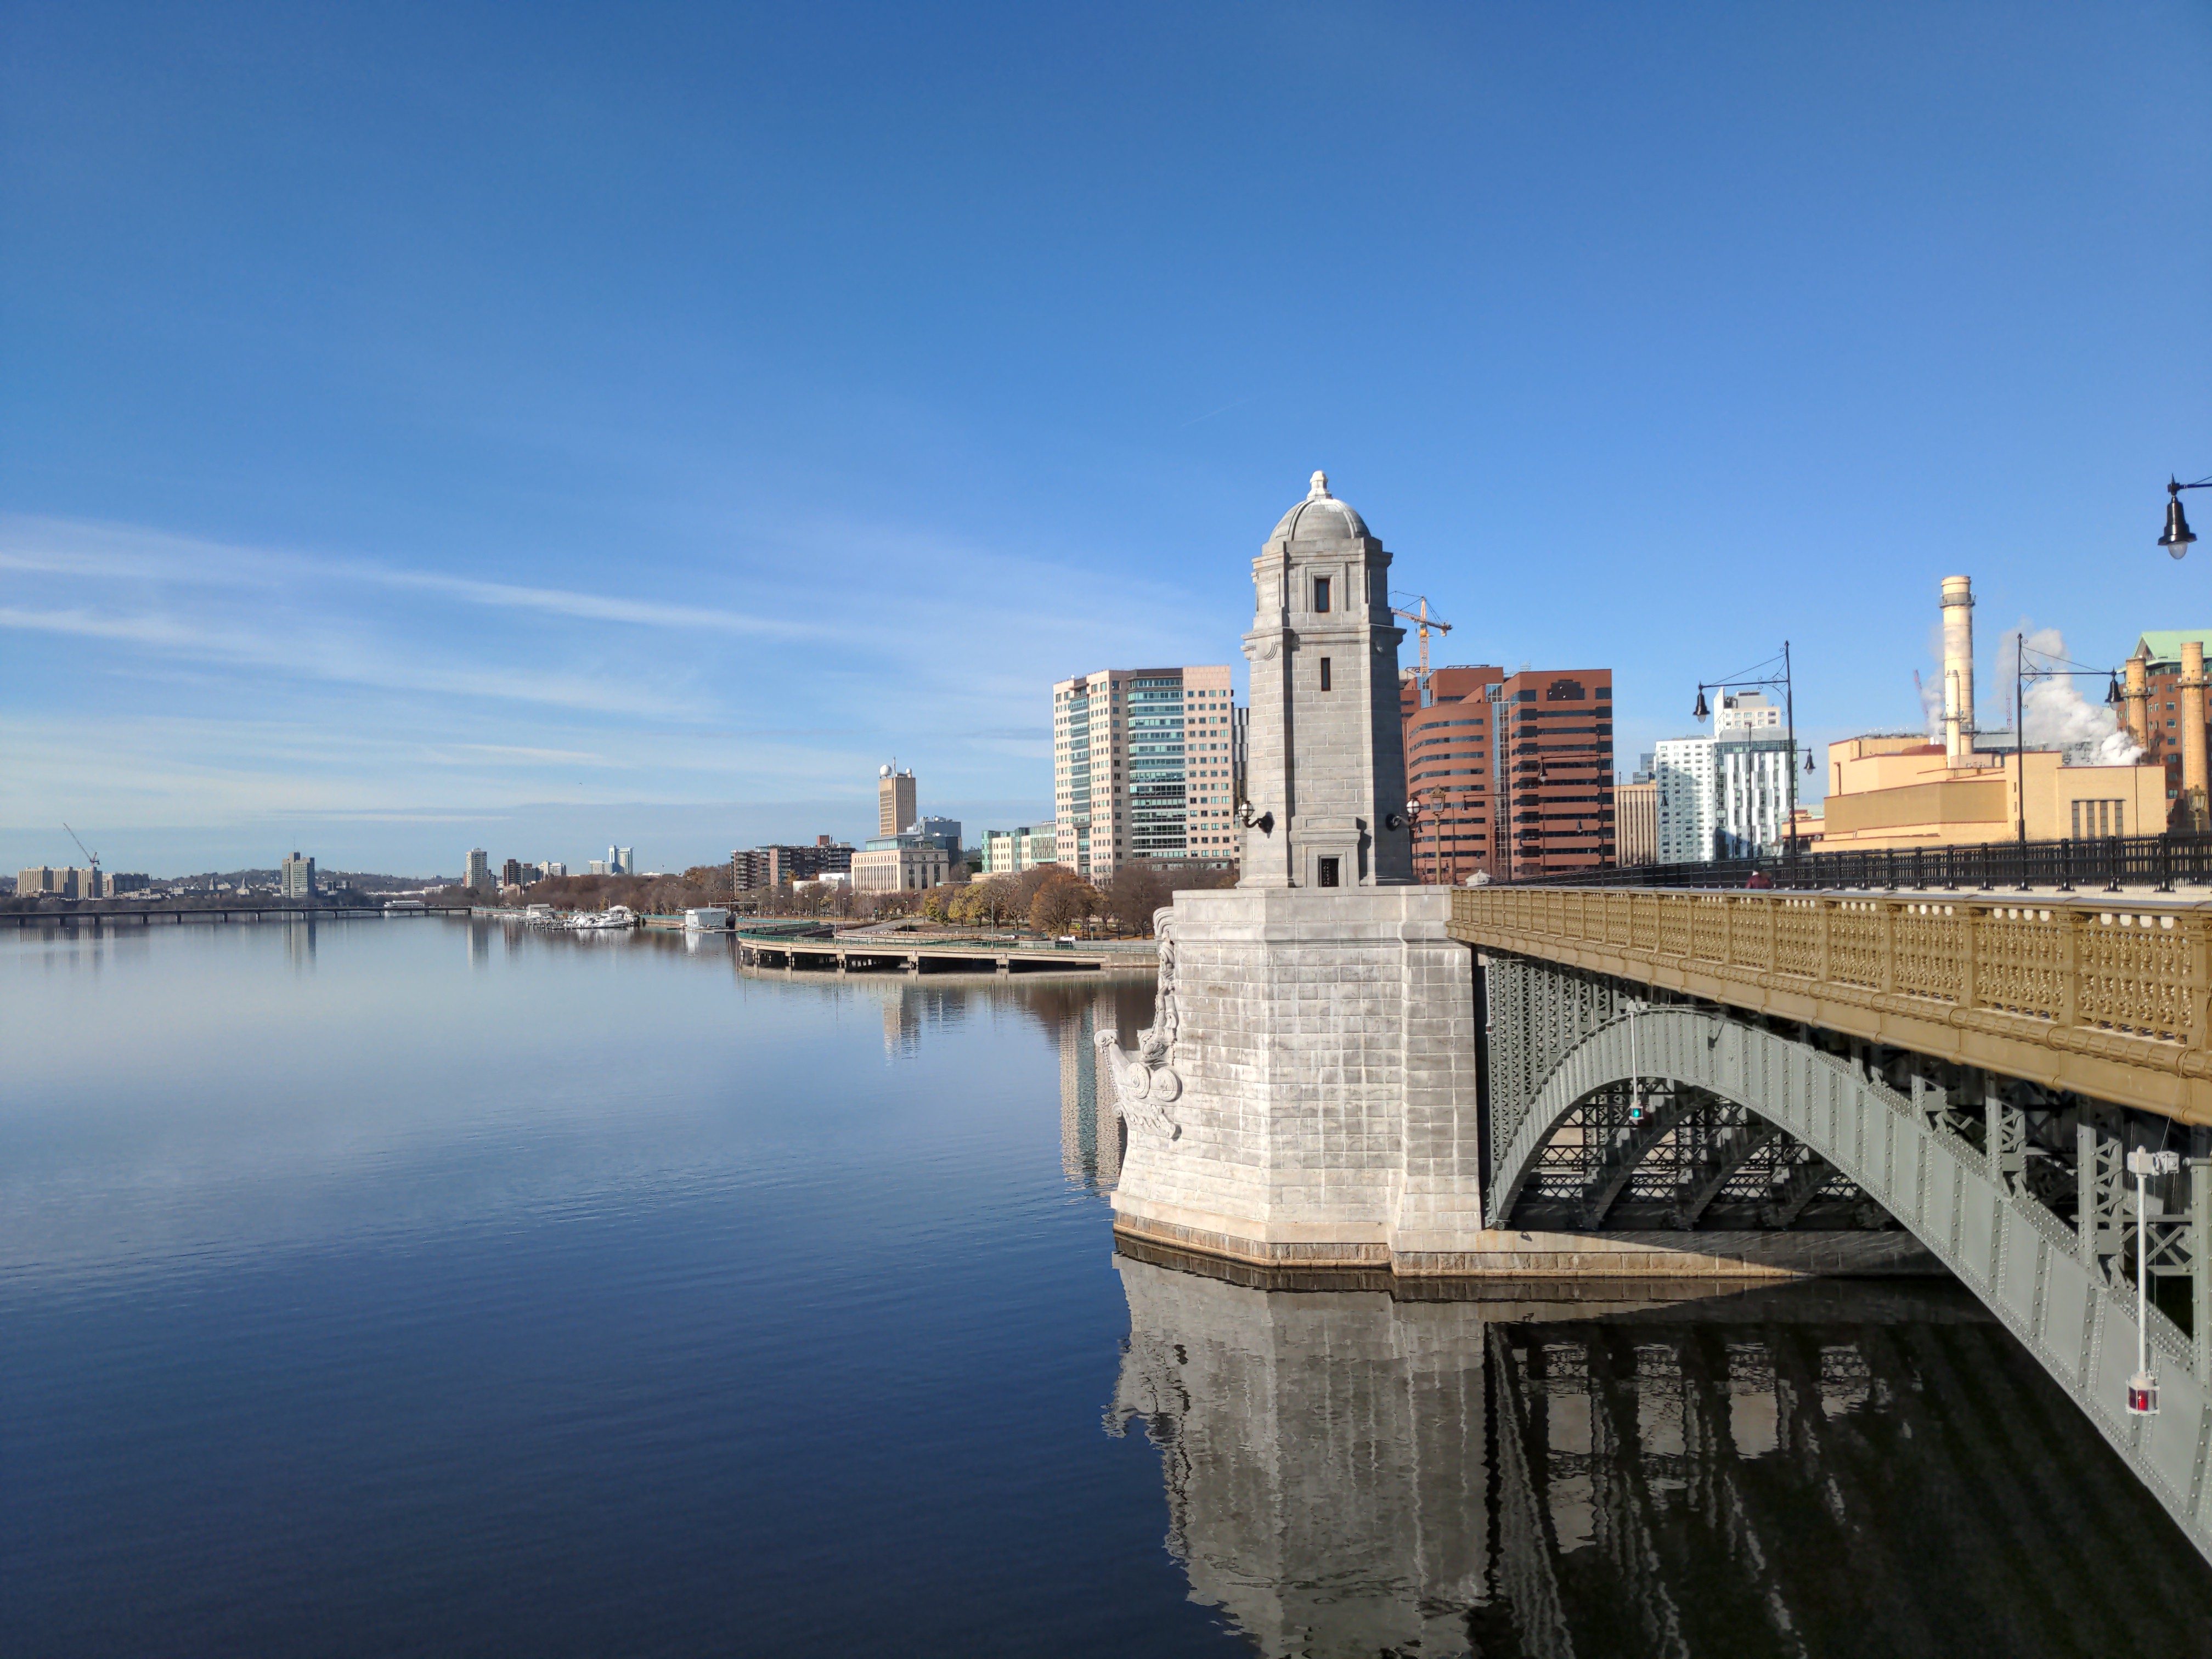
[429,427]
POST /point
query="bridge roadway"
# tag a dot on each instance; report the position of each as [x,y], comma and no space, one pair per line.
[893,952]
[1973,1067]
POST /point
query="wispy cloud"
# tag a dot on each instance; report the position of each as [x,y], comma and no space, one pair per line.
[318,655]
[123,553]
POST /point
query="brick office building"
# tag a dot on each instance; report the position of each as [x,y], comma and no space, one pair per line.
[1556,766]
[1540,741]
[1554,761]
[1448,770]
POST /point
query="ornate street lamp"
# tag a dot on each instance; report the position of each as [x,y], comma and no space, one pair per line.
[2178,534]
[1779,680]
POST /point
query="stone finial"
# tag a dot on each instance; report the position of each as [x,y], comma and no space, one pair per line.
[1320,490]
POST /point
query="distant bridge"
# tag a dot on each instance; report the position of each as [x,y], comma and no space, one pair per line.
[1973,1068]
[229,913]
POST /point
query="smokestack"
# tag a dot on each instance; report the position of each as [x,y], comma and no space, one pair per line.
[2192,732]
[2138,698]
[1958,670]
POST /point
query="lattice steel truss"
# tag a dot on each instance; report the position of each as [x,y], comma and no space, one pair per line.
[1747,1121]
[1679,1158]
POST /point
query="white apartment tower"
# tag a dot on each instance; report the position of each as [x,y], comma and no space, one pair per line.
[1726,796]
[1144,767]
[298,877]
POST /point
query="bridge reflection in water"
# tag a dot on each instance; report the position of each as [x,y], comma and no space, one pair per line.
[1799,1469]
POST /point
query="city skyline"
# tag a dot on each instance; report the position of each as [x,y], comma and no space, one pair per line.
[310,537]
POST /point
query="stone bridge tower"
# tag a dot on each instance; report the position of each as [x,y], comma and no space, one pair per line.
[1306,1092]
[1325,766]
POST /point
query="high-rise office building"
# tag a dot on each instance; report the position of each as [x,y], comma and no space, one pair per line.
[1553,765]
[1635,822]
[297,877]
[477,873]
[1449,725]
[619,862]
[894,801]
[1145,766]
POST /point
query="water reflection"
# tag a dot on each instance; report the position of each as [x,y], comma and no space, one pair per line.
[1803,1469]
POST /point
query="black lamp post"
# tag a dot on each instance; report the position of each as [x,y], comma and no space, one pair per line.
[2178,533]
[1780,681]
[2022,674]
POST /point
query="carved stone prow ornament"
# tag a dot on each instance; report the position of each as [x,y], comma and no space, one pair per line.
[1147,1082]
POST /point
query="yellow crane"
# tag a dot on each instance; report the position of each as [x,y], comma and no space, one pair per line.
[1423,622]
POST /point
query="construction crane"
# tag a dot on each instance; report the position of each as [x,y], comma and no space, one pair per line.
[91,857]
[1423,622]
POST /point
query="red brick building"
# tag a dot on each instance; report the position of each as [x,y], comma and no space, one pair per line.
[1511,774]
[1556,766]
[1450,771]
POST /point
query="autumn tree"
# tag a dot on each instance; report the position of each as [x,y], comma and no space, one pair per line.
[1060,906]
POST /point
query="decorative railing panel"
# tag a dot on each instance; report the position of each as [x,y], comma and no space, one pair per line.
[2115,993]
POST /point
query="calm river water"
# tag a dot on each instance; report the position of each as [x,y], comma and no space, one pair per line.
[430,1288]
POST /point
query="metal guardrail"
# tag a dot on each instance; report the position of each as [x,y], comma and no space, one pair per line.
[2161,863]
[2104,996]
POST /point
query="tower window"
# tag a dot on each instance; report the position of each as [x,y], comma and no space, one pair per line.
[1321,592]
[1325,875]
[1324,674]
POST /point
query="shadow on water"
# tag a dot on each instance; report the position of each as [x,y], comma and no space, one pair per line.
[1811,1468]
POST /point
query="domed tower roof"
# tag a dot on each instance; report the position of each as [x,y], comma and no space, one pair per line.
[1320,517]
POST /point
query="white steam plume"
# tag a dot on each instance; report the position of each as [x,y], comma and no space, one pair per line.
[2057,714]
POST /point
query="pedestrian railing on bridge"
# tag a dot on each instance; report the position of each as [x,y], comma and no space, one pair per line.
[2160,863]
[2091,993]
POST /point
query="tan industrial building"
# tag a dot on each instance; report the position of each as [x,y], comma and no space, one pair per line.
[1904,791]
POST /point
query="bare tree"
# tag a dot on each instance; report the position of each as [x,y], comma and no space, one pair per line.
[1060,906]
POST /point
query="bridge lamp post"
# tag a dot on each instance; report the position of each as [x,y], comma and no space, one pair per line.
[2178,534]
[2142,1387]
[2021,674]
[1776,680]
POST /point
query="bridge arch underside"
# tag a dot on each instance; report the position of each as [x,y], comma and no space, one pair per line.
[1612,1109]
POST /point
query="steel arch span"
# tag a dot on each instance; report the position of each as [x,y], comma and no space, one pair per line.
[1981,1210]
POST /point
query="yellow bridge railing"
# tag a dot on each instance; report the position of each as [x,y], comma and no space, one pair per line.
[2106,998]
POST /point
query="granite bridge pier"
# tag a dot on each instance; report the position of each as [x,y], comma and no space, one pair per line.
[1349,1073]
